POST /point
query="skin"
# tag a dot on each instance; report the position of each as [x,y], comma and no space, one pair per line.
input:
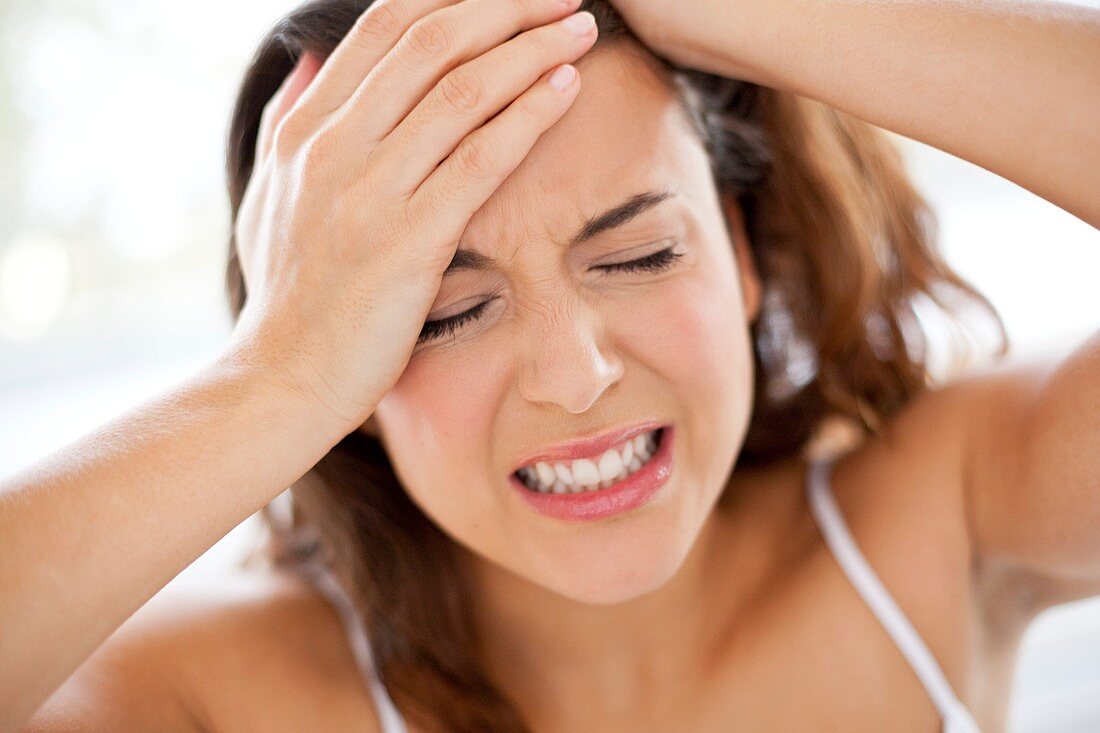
[740,616]
[932,71]
[575,351]
[610,636]
[566,350]
[1030,466]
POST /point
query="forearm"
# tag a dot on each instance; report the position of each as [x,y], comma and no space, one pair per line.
[1011,86]
[92,532]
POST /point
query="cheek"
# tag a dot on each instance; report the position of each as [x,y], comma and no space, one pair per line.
[688,333]
[695,329]
[695,336]
[438,420]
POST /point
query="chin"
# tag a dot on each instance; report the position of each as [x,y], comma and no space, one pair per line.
[615,573]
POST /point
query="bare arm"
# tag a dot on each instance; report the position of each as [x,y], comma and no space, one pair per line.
[1014,87]
[1010,85]
[94,531]
[1033,472]
[337,296]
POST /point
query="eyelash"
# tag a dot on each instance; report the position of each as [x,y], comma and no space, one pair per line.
[657,261]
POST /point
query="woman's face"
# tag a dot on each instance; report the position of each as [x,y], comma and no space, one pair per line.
[565,351]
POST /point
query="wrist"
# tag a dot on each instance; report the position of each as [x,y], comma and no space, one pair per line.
[298,391]
[728,39]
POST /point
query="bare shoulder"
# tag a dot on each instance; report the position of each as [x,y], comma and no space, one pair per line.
[902,493]
[1027,434]
[952,461]
[257,650]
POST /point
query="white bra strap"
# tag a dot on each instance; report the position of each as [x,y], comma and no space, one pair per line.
[326,583]
[867,583]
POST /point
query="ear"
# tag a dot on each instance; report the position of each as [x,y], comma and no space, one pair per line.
[751,288]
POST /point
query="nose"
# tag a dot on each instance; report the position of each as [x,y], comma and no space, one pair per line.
[568,360]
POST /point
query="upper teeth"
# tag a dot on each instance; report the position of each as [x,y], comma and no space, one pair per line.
[589,473]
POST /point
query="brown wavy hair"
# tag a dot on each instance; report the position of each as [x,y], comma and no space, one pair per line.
[847,254]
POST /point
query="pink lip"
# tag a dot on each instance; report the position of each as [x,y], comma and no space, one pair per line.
[628,494]
[587,447]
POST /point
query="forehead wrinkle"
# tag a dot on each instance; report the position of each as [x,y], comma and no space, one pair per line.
[617,82]
[609,219]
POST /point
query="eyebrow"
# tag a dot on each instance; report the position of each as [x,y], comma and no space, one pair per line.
[616,216]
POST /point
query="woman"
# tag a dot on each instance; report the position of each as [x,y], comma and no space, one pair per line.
[551,372]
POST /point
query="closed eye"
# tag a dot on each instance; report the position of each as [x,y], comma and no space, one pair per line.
[660,260]
[438,329]
[656,261]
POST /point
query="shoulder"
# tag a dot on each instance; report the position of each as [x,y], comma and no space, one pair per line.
[902,495]
[1013,450]
[255,650]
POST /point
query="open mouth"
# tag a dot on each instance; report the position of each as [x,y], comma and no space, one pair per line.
[595,473]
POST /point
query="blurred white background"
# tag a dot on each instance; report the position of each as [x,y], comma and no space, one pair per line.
[114,221]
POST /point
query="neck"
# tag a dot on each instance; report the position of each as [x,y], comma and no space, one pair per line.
[551,653]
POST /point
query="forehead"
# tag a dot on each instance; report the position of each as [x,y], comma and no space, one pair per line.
[624,134]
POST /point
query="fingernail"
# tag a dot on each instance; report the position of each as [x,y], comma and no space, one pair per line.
[562,78]
[579,23]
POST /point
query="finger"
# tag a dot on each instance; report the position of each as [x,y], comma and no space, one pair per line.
[432,47]
[477,167]
[289,91]
[247,222]
[471,94]
[375,32]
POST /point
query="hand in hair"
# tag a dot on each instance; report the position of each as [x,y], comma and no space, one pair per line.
[368,172]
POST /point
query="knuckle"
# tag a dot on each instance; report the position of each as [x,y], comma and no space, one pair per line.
[283,141]
[378,25]
[479,156]
[293,127]
[462,91]
[321,151]
[429,39]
